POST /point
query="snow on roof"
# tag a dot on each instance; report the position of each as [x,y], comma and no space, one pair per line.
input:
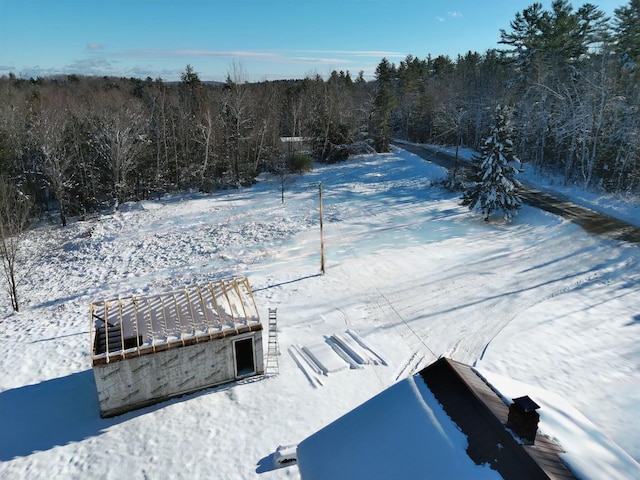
[400,433]
[404,432]
[589,453]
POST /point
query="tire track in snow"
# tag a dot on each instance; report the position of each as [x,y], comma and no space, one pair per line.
[415,342]
[501,288]
[587,278]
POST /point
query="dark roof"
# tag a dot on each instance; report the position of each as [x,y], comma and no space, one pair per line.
[482,415]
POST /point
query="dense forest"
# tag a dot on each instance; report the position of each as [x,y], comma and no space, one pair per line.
[571,76]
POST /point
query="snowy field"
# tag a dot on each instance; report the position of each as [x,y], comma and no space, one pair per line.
[410,276]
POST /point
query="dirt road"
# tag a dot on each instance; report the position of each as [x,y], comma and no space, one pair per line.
[591,221]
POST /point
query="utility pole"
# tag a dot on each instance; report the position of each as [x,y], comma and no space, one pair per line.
[321,232]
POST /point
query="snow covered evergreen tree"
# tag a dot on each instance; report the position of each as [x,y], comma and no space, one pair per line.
[493,184]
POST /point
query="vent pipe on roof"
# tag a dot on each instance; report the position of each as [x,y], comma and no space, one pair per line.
[523,418]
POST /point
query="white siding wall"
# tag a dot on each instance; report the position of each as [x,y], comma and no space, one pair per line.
[139,381]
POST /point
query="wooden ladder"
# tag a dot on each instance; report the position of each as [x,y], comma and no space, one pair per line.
[273,350]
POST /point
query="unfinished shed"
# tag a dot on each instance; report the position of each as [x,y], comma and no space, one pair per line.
[146,349]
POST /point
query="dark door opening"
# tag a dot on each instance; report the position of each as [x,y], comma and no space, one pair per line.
[244,357]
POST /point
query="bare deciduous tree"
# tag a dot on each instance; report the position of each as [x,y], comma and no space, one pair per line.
[119,138]
[15,210]
[47,138]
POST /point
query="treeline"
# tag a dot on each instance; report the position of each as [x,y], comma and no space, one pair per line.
[87,142]
[571,75]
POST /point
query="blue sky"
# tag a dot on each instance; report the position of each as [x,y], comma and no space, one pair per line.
[266,39]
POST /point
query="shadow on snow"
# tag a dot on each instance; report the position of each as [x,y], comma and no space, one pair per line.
[63,410]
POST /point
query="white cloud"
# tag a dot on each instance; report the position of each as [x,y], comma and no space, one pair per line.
[100,60]
[90,66]
[328,61]
[356,53]
[450,14]
[90,63]
[282,55]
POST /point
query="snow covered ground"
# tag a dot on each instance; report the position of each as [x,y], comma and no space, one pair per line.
[409,272]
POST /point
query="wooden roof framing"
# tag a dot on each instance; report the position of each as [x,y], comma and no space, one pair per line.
[136,325]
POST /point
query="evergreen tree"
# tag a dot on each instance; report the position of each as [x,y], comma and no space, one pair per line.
[385,101]
[493,185]
[627,32]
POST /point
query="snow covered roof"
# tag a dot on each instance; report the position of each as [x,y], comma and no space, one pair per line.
[393,435]
[139,325]
[447,412]
[482,414]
